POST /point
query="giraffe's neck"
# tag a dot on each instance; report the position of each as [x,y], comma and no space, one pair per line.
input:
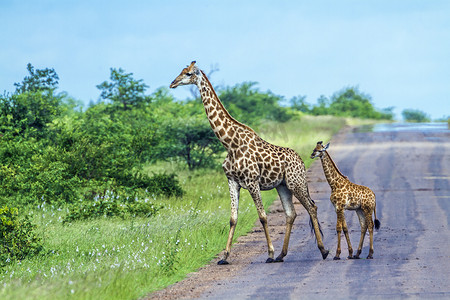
[223,124]
[334,177]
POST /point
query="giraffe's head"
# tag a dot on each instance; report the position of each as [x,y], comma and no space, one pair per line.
[319,150]
[189,75]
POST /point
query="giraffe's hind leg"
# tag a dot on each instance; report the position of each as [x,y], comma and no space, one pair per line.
[301,192]
[288,206]
[370,225]
[255,192]
[363,224]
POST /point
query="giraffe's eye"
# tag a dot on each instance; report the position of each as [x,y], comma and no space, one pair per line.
[188,74]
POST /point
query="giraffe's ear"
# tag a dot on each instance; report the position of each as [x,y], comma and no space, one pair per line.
[326,146]
[191,66]
[319,143]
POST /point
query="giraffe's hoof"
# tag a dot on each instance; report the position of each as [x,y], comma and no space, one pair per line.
[279,259]
[222,262]
[336,258]
[325,254]
[270,260]
[350,257]
[369,256]
[355,256]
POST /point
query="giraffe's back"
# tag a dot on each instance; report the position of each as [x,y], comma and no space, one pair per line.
[352,196]
[258,160]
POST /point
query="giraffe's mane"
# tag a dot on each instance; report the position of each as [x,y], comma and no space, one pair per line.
[223,107]
[334,165]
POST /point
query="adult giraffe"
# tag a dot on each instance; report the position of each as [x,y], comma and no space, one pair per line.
[255,165]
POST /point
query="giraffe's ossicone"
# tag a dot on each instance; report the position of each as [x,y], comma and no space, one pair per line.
[346,195]
[255,165]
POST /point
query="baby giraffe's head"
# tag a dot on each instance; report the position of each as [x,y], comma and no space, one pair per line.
[319,150]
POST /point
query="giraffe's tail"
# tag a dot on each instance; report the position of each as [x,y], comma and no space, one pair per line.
[377,222]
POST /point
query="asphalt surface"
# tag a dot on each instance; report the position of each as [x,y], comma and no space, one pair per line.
[409,171]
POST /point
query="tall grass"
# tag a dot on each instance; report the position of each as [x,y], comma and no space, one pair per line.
[113,258]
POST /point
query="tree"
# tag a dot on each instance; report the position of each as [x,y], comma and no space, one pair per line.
[192,140]
[29,112]
[322,108]
[45,79]
[248,105]
[123,90]
[299,103]
[33,106]
[350,102]
[415,115]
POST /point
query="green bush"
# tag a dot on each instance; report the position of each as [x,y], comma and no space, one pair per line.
[31,172]
[415,115]
[348,102]
[192,140]
[18,239]
[163,184]
[249,105]
[110,205]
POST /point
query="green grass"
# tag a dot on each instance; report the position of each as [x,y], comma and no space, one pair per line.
[113,258]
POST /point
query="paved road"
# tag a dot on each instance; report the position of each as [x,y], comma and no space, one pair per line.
[409,172]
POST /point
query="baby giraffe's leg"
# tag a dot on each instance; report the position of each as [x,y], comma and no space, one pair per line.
[363,224]
[347,237]
[339,222]
[369,222]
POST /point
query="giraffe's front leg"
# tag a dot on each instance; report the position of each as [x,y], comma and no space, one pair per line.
[234,195]
[340,216]
[347,237]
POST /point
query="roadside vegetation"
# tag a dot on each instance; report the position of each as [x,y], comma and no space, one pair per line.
[127,196]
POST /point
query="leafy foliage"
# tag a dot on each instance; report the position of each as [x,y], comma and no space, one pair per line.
[18,239]
[28,114]
[299,103]
[192,140]
[110,205]
[415,115]
[50,151]
[123,90]
[349,102]
[248,105]
[39,80]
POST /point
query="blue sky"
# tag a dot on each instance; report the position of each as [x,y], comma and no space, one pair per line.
[396,51]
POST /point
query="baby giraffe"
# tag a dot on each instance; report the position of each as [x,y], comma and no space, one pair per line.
[348,195]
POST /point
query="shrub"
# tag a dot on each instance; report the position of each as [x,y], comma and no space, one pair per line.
[415,115]
[110,205]
[348,102]
[192,140]
[18,239]
[159,184]
[249,105]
